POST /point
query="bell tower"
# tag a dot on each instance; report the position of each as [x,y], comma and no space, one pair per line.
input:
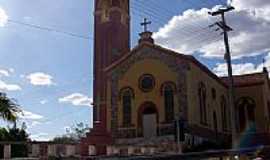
[111,41]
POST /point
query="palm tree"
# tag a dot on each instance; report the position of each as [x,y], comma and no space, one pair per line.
[8,109]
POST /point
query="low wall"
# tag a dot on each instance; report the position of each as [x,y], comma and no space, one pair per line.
[42,150]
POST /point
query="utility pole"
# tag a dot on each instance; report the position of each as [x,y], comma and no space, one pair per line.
[225,28]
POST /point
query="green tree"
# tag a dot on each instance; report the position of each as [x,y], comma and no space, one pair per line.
[73,134]
[9,109]
[15,134]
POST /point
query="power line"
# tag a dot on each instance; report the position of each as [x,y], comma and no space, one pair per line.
[204,40]
[167,12]
[48,29]
[225,28]
[155,18]
[197,35]
[194,33]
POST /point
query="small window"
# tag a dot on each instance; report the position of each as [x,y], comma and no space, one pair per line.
[146,82]
[202,103]
[224,114]
[268,107]
[214,94]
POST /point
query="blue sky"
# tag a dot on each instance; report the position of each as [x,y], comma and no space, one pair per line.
[50,73]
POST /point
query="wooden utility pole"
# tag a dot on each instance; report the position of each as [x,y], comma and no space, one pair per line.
[225,28]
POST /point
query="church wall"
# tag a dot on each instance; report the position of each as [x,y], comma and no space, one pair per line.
[161,74]
[195,76]
[266,96]
[257,94]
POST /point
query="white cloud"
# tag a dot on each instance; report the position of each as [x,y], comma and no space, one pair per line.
[31,124]
[26,115]
[41,137]
[76,99]
[3,17]
[250,21]
[43,101]
[238,69]
[4,73]
[250,4]
[11,70]
[242,68]
[35,123]
[4,87]
[40,79]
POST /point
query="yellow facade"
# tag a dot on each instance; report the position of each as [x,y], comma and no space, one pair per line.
[161,73]
[193,74]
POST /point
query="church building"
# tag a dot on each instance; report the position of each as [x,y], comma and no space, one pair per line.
[152,97]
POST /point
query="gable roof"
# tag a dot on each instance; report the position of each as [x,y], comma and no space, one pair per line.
[247,79]
[188,58]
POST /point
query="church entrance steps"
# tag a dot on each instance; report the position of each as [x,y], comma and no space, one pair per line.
[146,141]
[140,150]
[164,144]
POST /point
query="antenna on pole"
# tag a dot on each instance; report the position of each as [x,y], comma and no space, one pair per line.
[225,28]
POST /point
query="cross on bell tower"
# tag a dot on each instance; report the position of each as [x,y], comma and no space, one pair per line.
[145,23]
[146,36]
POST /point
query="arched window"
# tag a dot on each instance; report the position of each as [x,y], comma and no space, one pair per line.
[268,108]
[169,103]
[127,95]
[224,114]
[168,90]
[213,93]
[246,112]
[202,102]
[215,124]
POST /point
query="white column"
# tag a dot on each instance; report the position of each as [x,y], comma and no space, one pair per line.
[152,150]
[131,150]
[92,150]
[116,150]
[109,150]
[7,151]
[70,150]
[143,150]
[35,150]
[52,150]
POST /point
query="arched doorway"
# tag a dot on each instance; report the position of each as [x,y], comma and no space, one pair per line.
[246,114]
[148,120]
